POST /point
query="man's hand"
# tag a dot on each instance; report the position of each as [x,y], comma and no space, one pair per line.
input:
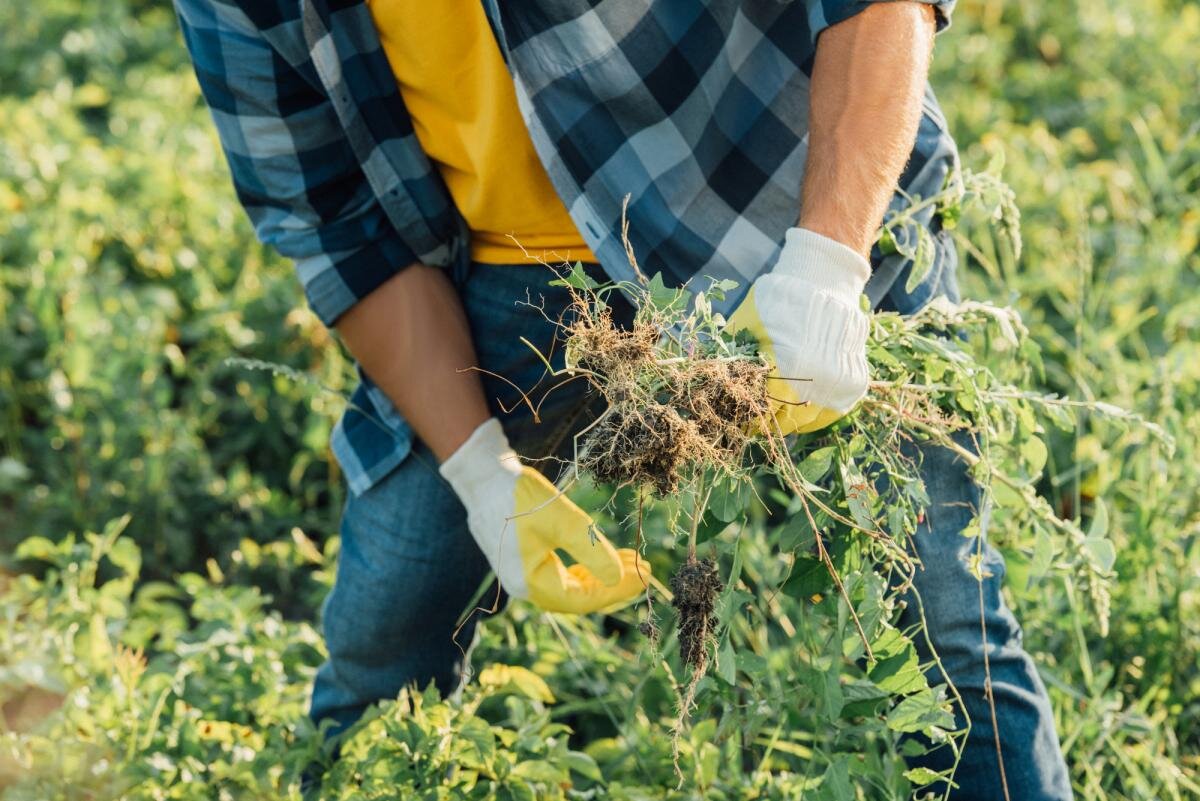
[806,316]
[519,519]
[867,82]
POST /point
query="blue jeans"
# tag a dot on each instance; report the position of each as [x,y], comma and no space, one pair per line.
[408,565]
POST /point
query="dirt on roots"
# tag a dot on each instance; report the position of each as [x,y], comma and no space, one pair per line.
[677,412]
[695,586]
[667,418]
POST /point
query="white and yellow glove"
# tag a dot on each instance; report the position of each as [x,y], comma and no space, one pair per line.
[518,519]
[806,316]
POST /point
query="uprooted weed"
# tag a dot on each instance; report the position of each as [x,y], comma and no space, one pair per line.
[668,417]
[684,402]
[688,413]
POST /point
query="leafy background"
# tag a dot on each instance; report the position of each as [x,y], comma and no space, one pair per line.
[128,276]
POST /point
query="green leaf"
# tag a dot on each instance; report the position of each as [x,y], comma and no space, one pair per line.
[518,791]
[809,577]
[584,765]
[37,548]
[917,712]
[703,730]
[863,699]
[859,494]
[662,297]
[718,289]
[1098,528]
[478,734]
[577,278]
[816,465]
[796,533]
[827,688]
[1034,452]
[539,770]
[518,680]
[126,557]
[709,528]
[899,673]
[887,242]
[753,665]
[727,663]
[923,776]
[1043,554]
[1102,552]
[729,500]
[923,258]
[835,784]
[707,763]
[305,547]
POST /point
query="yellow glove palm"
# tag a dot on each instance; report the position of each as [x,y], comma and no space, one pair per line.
[520,520]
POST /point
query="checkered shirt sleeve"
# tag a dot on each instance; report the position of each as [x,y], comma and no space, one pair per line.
[294,171]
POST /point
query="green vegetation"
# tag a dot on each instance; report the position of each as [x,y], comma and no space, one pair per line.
[181,634]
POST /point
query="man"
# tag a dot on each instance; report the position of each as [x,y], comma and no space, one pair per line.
[391,148]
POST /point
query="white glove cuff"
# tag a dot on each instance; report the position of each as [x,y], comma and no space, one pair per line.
[479,460]
[823,263]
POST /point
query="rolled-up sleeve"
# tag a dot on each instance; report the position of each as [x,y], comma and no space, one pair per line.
[824,13]
[292,166]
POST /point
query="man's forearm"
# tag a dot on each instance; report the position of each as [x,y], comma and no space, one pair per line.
[868,81]
[411,337]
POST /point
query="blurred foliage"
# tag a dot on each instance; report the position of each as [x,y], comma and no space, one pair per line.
[128,275]
[1093,105]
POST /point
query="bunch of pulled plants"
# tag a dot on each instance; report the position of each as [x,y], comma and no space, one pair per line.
[689,427]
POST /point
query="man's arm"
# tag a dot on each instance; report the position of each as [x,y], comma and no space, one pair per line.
[865,106]
[402,321]
[867,84]
[411,337]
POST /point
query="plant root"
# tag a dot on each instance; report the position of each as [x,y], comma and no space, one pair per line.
[647,446]
[649,629]
[667,419]
[695,586]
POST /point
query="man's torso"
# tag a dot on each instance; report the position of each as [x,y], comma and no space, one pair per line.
[695,112]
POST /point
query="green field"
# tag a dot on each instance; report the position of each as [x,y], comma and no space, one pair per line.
[168,519]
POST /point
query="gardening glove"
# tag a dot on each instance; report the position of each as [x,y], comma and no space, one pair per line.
[518,519]
[806,316]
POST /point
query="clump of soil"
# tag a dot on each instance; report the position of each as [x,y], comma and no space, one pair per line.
[597,345]
[650,445]
[668,417]
[695,587]
[726,398]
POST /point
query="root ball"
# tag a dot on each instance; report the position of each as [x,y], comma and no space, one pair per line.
[727,399]
[640,446]
[695,586]
[599,346]
[675,409]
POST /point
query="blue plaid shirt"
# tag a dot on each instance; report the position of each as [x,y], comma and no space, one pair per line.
[697,111]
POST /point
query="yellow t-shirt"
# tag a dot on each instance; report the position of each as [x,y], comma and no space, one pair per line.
[464,111]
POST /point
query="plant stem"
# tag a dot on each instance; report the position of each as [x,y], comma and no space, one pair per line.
[698,513]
